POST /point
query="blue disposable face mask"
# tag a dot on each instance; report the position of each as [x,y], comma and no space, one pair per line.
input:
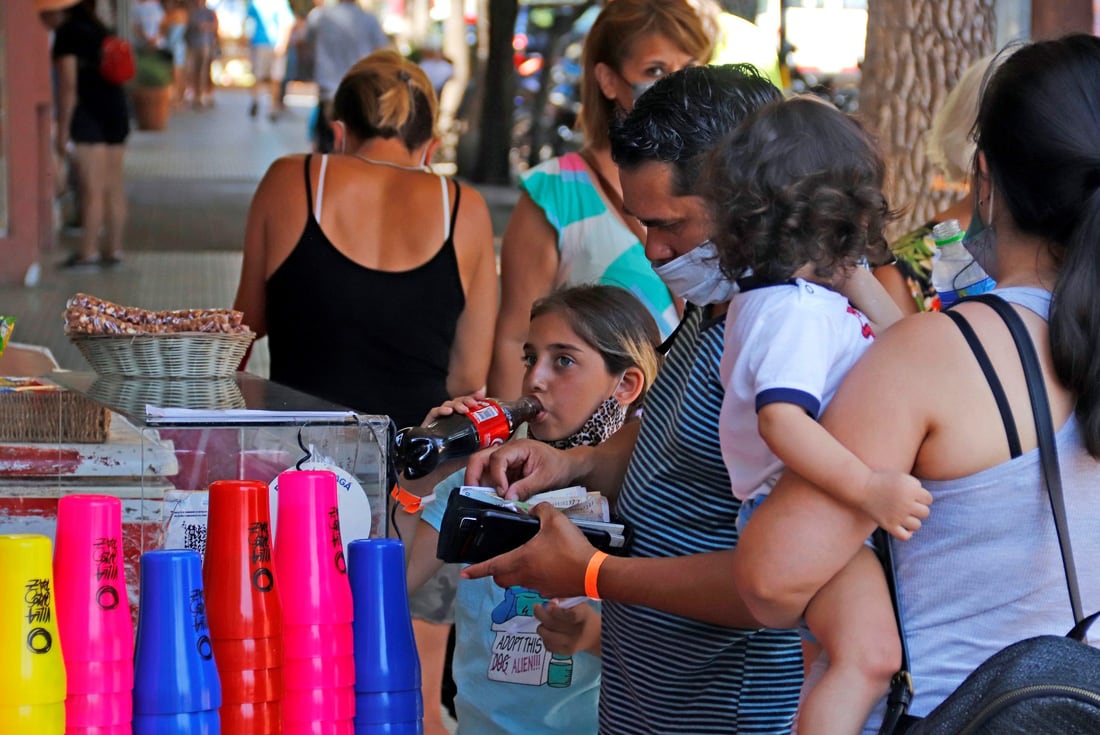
[637,89]
[696,278]
[980,237]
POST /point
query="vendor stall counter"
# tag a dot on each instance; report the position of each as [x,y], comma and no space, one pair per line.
[166,440]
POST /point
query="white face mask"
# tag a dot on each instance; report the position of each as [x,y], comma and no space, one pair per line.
[696,278]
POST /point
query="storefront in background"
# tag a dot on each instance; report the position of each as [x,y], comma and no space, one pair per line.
[26,180]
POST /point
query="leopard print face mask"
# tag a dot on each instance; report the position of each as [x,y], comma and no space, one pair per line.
[605,421]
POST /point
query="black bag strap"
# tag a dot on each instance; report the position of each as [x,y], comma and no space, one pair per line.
[1013,436]
[1044,427]
[900,695]
[690,310]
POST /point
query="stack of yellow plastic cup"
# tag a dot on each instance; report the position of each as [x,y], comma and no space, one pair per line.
[32,673]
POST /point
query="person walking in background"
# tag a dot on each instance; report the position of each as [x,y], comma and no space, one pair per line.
[680,652]
[569,226]
[174,31]
[341,35]
[202,45]
[93,117]
[437,66]
[147,24]
[267,25]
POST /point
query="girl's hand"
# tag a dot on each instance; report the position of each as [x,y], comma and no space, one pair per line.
[462,404]
[569,630]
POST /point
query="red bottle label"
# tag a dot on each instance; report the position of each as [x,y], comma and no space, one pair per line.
[491,424]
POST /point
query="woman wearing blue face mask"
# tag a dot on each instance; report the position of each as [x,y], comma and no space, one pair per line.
[985,569]
[373,278]
[569,227]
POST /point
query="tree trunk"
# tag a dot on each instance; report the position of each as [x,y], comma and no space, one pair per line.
[916,50]
[741,8]
[496,113]
[1053,18]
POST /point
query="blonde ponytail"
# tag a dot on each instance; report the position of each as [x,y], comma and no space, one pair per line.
[387,96]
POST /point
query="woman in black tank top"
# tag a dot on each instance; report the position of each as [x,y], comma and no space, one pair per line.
[373,278]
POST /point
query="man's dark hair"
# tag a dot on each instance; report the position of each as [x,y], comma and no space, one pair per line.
[684,115]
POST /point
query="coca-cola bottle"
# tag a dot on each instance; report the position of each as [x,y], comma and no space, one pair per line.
[420,449]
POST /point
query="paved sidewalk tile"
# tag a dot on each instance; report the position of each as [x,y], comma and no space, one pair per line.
[189,189]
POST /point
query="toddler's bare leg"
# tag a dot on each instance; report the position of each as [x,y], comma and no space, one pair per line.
[853,620]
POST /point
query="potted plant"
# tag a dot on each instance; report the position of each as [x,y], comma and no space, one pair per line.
[151,90]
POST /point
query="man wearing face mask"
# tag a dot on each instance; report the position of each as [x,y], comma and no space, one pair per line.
[680,651]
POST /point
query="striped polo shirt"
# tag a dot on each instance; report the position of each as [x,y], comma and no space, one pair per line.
[663,673]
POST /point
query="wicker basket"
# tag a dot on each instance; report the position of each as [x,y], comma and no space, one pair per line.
[172,355]
[52,416]
[131,395]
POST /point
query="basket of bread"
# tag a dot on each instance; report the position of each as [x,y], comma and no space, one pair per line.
[126,340]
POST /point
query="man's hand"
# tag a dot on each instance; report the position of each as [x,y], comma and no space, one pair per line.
[520,468]
[553,562]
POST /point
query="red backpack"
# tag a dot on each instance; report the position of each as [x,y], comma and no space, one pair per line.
[116,60]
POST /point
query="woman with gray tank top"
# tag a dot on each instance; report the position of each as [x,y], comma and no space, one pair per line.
[985,570]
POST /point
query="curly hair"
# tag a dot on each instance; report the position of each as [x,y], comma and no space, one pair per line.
[798,183]
[685,114]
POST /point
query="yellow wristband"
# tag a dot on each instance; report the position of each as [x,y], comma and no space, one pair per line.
[592,573]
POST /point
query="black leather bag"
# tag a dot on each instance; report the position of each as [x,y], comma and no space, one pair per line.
[1047,685]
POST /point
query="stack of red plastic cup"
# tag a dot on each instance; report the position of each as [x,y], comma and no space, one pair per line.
[32,668]
[93,611]
[243,608]
[319,663]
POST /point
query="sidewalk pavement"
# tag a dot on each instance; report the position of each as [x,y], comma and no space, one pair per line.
[189,189]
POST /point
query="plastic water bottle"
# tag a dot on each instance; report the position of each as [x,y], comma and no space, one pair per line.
[955,273]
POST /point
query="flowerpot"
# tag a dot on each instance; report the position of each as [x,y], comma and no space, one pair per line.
[151,107]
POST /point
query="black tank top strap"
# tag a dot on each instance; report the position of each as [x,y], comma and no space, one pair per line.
[309,186]
[454,214]
[995,386]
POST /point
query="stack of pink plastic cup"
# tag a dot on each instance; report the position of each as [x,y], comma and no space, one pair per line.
[319,663]
[93,611]
[32,668]
[243,609]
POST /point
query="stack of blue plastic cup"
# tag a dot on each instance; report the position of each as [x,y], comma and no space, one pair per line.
[387,668]
[176,686]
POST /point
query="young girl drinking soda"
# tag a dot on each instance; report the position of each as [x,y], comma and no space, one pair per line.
[589,357]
